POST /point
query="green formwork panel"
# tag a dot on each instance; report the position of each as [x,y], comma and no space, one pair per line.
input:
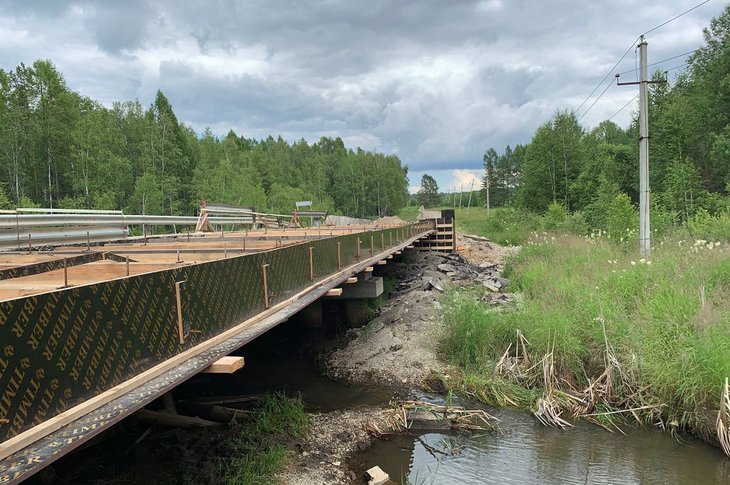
[59,349]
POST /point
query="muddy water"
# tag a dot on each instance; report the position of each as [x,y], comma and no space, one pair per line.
[522,451]
[285,360]
[525,452]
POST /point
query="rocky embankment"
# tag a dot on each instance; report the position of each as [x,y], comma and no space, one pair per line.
[397,349]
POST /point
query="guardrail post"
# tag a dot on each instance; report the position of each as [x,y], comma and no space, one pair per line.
[382,241]
[178,253]
[30,243]
[372,245]
[357,254]
[127,264]
[88,241]
[339,257]
[65,272]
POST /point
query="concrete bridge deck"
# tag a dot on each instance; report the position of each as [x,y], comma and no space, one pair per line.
[77,359]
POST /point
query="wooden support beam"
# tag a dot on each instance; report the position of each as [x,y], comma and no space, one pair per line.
[390,256]
[382,262]
[334,292]
[369,269]
[170,420]
[225,365]
[410,246]
[351,280]
[399,252]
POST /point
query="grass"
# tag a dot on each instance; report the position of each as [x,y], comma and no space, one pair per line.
[666,322]
[503,226]
[259,446]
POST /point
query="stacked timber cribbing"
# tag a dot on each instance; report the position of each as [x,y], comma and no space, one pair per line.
[443,240]
[62,348]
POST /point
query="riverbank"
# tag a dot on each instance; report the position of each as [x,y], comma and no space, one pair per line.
[601,334]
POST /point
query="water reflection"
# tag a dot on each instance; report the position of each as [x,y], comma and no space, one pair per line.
[525,452]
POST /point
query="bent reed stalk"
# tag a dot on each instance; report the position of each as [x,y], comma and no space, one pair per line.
[619,337]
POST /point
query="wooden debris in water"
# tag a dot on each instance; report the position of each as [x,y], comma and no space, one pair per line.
[456,416]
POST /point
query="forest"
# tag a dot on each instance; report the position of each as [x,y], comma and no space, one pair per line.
[593,175]
[60,149]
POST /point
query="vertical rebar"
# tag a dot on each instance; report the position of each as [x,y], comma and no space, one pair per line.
[264,268]
[311,263]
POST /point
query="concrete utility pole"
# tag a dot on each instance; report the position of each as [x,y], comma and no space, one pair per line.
[487,187]
[471,189]
[644,206]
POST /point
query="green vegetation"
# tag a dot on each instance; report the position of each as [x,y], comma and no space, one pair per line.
[61,149]
[259,446]
[653,336]
[593,175]
[428,194]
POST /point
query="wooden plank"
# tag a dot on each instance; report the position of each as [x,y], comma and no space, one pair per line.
[390,256]
[442,226]
[382,262]
[225,365]
[399,252]
[334,292]
[410,246]
[351,280]
[369,269]
[172,420]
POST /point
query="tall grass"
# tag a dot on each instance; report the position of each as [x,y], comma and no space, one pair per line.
[503,226]
[259,446]
[667,319]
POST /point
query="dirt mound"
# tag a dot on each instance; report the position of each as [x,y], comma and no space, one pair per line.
[480,250]
[389,221]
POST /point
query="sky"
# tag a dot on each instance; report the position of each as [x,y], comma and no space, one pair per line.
[434,82]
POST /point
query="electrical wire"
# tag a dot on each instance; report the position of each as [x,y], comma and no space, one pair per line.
[623,107]
[595,101]
[675,18]
[678,67]
[663,60]
[633,43]
[626,53]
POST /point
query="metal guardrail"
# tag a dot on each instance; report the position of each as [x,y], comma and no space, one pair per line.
[25,228]
[30,227]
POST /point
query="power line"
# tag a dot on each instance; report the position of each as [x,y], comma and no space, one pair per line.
[623,107]
[675,18]
[685,64]
[663,60]
[606,76]
[596,100]
[633,43]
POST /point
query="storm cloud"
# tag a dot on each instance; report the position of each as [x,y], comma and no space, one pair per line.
[434,82]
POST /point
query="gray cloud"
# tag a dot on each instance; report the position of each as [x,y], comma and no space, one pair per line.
[434,82]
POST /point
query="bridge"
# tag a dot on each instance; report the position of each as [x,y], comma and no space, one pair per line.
[89,334]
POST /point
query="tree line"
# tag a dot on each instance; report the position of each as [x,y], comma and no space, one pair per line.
[61,149]
[592,172]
